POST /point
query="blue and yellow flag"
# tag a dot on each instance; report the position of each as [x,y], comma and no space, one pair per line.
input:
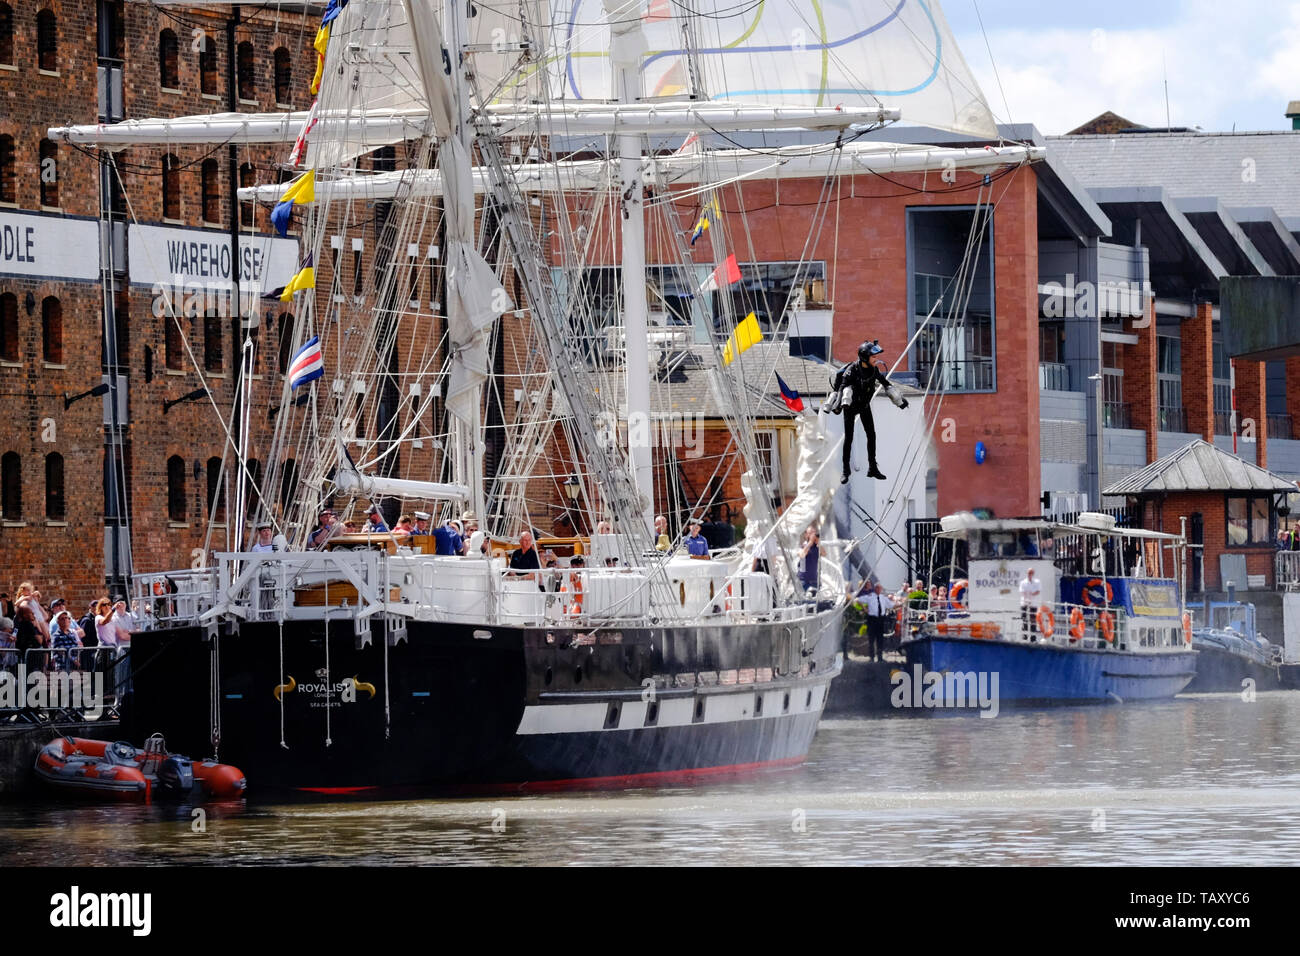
[710,210]
[301,190]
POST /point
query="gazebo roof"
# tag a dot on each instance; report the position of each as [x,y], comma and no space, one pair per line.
[1199,466]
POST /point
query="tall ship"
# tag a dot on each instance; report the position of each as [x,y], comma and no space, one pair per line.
[535,252]
[1104,619]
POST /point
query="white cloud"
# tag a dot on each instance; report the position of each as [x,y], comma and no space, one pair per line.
[1222,69]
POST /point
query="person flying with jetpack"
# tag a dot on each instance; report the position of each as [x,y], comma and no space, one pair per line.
[855,384]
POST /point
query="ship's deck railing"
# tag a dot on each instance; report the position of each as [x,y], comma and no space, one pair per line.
[176,596]
[340,584]
[1286,564]
[1026,625]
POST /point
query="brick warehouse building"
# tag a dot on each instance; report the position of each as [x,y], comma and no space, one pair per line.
[77,469]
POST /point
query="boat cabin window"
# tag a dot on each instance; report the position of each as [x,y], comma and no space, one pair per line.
[1010,544]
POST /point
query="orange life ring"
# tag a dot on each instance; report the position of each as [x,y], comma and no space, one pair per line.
[957,594]
[1110,592]
[1046,620]
[1187,627]
[1076,623]
[1106,624]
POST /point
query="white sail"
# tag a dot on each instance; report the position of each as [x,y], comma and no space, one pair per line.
[792,52]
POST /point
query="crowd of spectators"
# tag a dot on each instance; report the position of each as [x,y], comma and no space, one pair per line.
[48,637]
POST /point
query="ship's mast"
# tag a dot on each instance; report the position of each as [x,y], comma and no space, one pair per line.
[467,466]
[628,45]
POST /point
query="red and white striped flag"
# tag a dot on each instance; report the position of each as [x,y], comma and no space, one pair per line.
[300,144]
[724,275]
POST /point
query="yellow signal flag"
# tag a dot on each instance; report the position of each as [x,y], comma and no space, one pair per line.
[306,279]
[321,42]
[301,190]
[746,335]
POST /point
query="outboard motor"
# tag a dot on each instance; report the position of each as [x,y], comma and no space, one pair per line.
[176,776]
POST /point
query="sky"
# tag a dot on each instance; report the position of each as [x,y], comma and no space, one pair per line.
[1228,64]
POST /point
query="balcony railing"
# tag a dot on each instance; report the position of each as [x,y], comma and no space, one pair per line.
[1279,426]
[966,375]
[1054,376]
[1223,423]
[1170,419]
[1116,415]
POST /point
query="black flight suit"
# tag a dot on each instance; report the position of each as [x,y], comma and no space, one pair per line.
[863,383]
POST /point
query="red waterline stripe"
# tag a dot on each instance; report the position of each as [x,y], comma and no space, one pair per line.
[619,782]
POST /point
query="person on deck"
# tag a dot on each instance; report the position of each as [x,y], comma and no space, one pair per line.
[696,545]
[375,523]
[810,570]
[861,379]
[327,528]
[662,541]
[1031,592]
[421,524]
[264,538]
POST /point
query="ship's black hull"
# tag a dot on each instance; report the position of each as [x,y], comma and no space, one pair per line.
[1221,671]
[458,708]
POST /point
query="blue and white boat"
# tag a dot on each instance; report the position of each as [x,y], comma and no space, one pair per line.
[1109,623]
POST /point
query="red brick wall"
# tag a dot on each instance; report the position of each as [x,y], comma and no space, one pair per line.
[1252,406]
[1198,366]
[1293,393]
[1165,513]
[1140,364]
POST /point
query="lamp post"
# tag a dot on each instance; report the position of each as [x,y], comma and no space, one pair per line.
[187,397]
[572,488]
[70,400]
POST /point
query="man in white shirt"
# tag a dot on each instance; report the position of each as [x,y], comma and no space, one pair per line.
[1031,592]
[879,608]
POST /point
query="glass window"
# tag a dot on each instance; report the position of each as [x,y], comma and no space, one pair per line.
[208,66]
[55,509]
[169,76]
[246,78]
[171,187]
[283,75]
[1250,521]
[8,174]
[211,175]
[49,173]
[8,327]
[11,486]
[52,330]
[955,350]
[176,488]
[6,34]
[47,41]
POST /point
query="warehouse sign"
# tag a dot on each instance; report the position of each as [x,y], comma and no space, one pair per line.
[179,258]
[48,247]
